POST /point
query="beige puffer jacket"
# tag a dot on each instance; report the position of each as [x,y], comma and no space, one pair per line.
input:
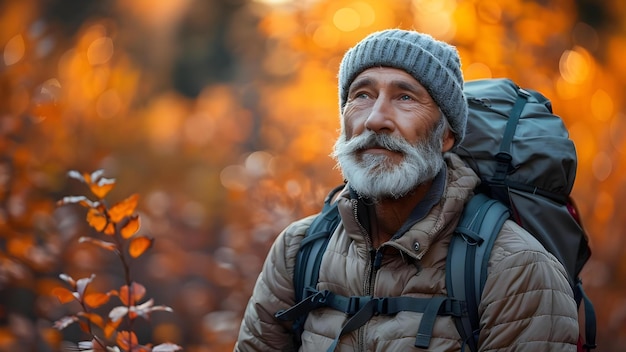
[527,304]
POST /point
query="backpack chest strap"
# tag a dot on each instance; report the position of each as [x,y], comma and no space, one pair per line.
[363,308]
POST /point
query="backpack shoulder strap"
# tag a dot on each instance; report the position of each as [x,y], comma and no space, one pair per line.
[312,248]
[468,256]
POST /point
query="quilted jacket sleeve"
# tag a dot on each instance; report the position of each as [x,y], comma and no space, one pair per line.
[527,304]
[273,291]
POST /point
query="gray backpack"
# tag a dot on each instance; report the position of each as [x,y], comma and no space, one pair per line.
[527,165]
[525,159]
[523,154]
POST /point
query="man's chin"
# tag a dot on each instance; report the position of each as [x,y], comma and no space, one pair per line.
[378,195]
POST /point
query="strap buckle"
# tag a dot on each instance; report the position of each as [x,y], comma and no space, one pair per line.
[314,301]
[382,306]
[356,303]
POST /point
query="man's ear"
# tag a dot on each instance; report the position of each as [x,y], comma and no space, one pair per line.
[448,140]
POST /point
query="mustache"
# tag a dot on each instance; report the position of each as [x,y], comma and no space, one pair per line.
[371,139]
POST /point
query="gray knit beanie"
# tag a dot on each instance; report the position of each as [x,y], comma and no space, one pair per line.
[435,64]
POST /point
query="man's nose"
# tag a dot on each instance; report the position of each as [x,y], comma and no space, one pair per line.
[380,118]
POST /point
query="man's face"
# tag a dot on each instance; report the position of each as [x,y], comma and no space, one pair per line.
[393,134]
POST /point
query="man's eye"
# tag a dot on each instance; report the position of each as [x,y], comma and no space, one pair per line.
[361,96]
[406,97]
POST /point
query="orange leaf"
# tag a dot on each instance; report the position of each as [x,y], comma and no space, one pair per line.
[136,293]
[94,176]
[102,244]
[110,327]
[96,219]
[95,300]
[48,109]
[139,245]
[110,229]
[102,187]
[131,227]
[84,327]
[64,295]
[20,246]
[124,296]
[123,208]
[126,339]
[93,318]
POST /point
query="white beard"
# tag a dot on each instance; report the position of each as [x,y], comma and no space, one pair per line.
[375,176]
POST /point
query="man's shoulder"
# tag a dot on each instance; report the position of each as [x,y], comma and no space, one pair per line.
[295,231]
[514,240]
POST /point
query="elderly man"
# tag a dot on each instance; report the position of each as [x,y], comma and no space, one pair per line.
[403,112]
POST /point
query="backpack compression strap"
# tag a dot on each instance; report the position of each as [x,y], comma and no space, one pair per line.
[499,181]
[504,157]
[468,256]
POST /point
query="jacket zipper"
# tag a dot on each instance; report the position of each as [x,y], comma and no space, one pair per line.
[375,261]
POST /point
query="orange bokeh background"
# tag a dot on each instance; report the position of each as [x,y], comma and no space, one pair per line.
[221,115]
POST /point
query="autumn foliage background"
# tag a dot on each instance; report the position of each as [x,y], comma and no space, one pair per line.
[220,115]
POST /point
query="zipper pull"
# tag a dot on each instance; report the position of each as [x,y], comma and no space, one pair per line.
[378,259]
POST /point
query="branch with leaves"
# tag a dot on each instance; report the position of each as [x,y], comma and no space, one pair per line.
[119,224]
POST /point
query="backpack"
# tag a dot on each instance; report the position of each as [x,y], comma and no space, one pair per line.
[527,166]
